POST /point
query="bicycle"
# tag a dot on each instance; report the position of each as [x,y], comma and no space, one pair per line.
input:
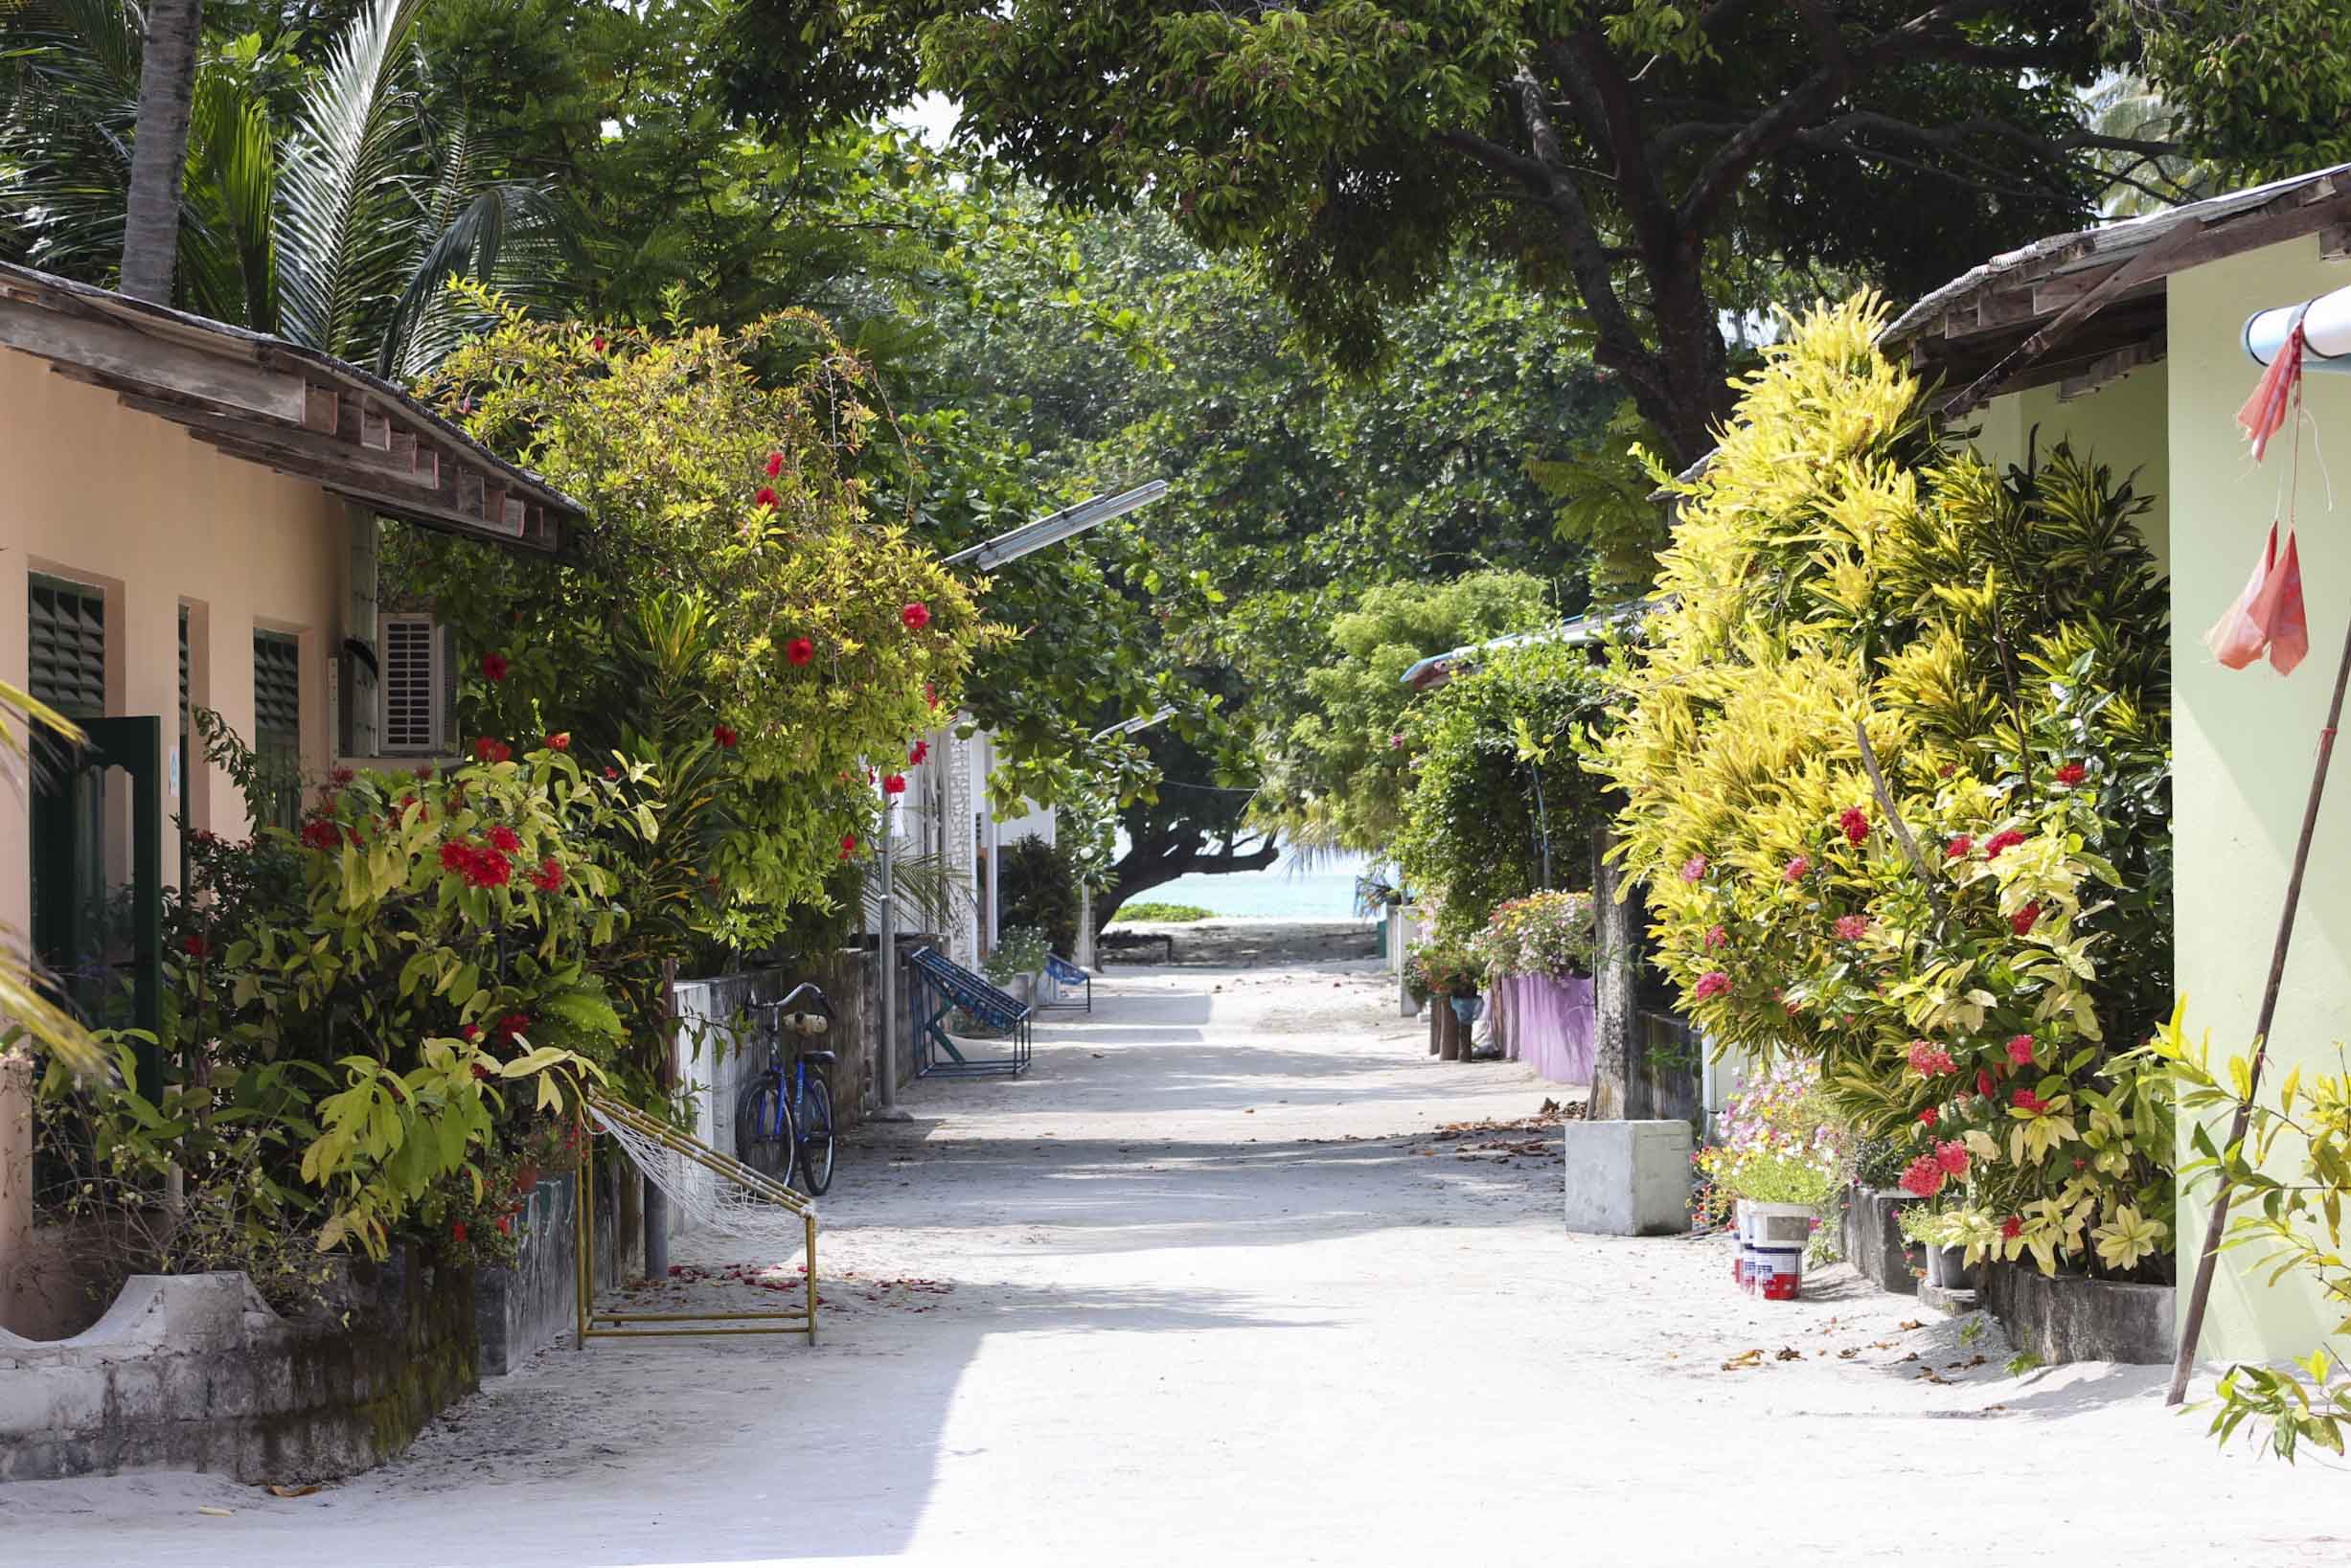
[783,1120]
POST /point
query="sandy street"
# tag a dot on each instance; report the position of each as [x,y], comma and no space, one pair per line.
[1211,1284]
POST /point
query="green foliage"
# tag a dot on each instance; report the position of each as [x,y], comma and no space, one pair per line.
[2265,89]
[1019,950]
[1541,934]
[1968,955]
[1039,891]
[1499,804]
[806,656]
[1144,911]
[2289,1179]
[1444,966]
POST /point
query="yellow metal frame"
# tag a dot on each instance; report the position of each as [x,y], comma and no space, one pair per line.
[596,1325]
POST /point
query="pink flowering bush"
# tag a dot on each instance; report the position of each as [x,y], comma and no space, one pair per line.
[1779,1140]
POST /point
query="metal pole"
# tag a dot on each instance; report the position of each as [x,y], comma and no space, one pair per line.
[885,1049]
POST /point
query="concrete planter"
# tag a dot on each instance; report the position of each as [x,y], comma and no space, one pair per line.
[1873,1241]
[1628,1178]
[2070,1318]
[1947,1269]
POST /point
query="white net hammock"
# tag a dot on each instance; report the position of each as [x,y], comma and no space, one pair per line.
[710,1189]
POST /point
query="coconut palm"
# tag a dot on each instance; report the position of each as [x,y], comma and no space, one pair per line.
[159,147]
[339,231]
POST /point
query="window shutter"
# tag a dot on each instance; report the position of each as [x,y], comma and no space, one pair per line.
[65,638]
[417,696]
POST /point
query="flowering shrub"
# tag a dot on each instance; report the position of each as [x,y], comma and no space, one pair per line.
[1969,950]
[1444,967]
[1541,934]
[1779,1140]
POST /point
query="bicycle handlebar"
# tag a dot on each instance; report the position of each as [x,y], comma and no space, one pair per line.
[808,987]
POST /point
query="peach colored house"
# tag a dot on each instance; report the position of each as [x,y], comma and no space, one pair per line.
[188,521]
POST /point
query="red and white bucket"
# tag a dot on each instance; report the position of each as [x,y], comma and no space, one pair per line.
[1773,1244]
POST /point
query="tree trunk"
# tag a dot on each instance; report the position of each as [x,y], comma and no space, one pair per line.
[159,147]
[1620,1075]
[1147,866]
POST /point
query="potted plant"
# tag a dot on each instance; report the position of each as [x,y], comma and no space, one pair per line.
[1020,957]
[1780,1159]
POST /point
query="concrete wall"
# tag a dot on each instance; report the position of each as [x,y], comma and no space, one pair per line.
[154,520]
[2244,740]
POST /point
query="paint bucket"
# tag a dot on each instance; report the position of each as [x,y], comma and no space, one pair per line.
[1780,1232]
[1779,1272]
[1743,1255]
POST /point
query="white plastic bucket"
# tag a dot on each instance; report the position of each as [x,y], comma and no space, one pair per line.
[1779,1272]
[1743,1259]
[1779,1235]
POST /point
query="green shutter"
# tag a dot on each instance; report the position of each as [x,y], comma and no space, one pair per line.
[66,647]
[277,726]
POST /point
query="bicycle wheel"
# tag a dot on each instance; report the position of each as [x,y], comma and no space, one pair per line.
[817,1137]
[763,1134]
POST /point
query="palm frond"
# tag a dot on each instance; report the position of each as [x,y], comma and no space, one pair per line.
[502,234]
[23,1004]
[69,95]
[228,266]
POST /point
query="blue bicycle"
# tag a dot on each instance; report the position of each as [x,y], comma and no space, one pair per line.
[783,1119]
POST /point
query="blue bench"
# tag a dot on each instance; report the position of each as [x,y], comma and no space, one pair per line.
[942,986]
[1068,988]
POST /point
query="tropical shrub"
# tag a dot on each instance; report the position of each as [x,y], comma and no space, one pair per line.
[1969,948]
[1444,966]
[1779,1140]
[1541,934]
[1039,891]
[1499,805]
[1145,910]
[1019,950]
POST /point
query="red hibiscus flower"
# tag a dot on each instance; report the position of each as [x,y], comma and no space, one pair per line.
[2071,774]
[1958,846]
[917,752]
[597,342]
[1952,1157]
[453,856]
[549,875]
[195,945]
[2023,920]
[506,1224]
[2011,1228]
[1796,870]
[1924,1176]
[471,1033]
[916,616]
[1855,822]
[503,837]
[849,844]
[765,499]
[1693,868]
[2007,838]
[322,833]
[457,1230]
[774,464]
[494,666]
[894,785]
[510,1026]
[1717,938]
[1713,983]
[2021,1050]
[487,749]
[423,771]
[1852,928]
[724,734]
[1930,1117]
[560,742]
[799,650]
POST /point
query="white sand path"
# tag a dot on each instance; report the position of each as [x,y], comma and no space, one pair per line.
[1214,1295]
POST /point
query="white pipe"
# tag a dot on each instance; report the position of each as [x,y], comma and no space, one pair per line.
[2326,333]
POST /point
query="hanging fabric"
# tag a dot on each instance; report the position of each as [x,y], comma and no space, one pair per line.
[2269,618]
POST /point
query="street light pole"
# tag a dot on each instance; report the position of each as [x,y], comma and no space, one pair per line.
[1049,530]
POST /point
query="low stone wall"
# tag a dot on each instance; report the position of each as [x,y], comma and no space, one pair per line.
[196,1372]
[2073,1318]
[1873,1240]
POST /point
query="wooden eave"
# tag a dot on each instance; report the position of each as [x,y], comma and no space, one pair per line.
[2077,309]
[291,409]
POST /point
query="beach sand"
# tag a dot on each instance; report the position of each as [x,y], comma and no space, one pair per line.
[1256,942]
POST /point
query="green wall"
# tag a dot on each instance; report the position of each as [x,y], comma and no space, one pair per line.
[2122,424]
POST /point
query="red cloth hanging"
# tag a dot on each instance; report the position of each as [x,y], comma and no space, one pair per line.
[2268,617]
[2236,639]
[2264,413]
[2283,611]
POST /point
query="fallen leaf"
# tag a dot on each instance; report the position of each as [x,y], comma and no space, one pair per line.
[293,1492]
[1881,1344]
[1912,1357]
[1789,1352]
[1911,1323]
[212,1513]
[1746,1358]
[1847,1355]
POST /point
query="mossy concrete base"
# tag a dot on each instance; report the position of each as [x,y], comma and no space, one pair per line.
[2070,1318]
[1873,1240]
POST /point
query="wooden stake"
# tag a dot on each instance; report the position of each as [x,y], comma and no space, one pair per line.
[2192,1327]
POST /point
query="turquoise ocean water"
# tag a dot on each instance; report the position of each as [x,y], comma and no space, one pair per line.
[1280,892]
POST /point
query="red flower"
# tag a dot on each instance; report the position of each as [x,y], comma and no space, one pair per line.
[488,750]
[2024,1100]
[2023,920]
[510,1026]
[849,844]
[1796,870]
[1952,1157]
[1852,928]
[799,650]
[2069,775]
[549,875]
[505,838]
[1855,824]
[894,785]
[195,945]
[917,752]
[775,465]
[916,616]
[1713,983]
[930,693]
[342,775]
[1693,868]
[494,666]
[454,856]
[457,1230]
[560,742]
[612,773]
[2011,1228]
[2021,1050]
[423,771]
[1717,938]
[1958,846]
[2007,838]
[1924,1176]
[471,1031]
[1929,1059]
[1930,1117]
[765,499]
[1983,1082]
[724,734]
[322,833]
[490,869]
[597,342]
[1947,770]
[506,1224]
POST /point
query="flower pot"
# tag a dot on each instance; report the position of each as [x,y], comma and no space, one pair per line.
[526,1177]
[1947,1269]
[1468,1008]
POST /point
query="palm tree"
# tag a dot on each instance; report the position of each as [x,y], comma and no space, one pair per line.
[22,1002]
[159,147]
[339,232]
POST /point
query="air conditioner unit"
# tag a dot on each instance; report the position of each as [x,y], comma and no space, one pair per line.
[417,692]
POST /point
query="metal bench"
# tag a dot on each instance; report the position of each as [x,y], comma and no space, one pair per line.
[942,986]
[1066,988]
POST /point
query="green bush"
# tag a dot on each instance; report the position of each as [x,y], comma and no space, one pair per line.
[1164,914]
[1039,891]
[1019,950]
